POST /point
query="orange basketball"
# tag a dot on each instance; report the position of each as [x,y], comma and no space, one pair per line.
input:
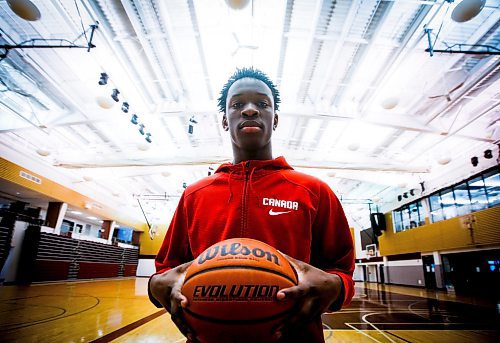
[232,287]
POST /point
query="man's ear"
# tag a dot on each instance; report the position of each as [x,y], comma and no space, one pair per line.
[275,121]
[225,125]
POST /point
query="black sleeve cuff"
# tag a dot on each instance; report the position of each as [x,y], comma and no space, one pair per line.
[151,297]
[337,304]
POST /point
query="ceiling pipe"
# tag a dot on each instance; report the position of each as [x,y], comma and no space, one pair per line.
[309,44]
[199,45]
[469,87]
[366,52]
[351,15]
[398,56]
[147,27]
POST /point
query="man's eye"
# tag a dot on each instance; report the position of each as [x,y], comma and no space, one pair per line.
[263,104]
[237,105]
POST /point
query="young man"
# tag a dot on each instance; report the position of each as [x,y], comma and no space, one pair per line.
[262,198]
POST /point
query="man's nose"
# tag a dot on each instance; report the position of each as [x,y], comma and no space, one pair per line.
[250,110]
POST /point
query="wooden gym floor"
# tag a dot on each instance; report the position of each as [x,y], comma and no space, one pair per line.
[119,311]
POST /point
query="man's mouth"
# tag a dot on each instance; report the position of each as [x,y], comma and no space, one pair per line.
[250,124]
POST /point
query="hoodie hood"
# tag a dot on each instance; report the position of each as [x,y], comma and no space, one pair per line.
[240,168]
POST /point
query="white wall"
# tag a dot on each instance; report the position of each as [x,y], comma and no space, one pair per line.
[9,270]
[146,267]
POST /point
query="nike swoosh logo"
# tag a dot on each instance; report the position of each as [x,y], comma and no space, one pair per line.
[272,213]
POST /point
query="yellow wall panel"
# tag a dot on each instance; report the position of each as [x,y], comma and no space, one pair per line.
[12,172]
[454,233]
[151,246]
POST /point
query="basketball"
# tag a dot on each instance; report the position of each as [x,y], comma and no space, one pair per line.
[232,287]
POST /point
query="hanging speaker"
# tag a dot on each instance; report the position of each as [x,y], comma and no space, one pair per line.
[377,220]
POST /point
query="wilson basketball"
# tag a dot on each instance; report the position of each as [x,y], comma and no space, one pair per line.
[232,287]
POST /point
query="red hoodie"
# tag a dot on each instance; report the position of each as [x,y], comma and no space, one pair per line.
[266,200]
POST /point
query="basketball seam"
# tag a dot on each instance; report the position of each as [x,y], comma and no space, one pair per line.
[235,321]
[242,267]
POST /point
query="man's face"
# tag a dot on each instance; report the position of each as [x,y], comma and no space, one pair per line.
[250,116]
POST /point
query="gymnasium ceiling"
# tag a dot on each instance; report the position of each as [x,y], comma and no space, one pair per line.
[364,106]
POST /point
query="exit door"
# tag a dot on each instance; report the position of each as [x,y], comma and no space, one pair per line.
[429,271]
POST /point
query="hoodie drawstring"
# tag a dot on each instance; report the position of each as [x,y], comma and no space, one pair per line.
[230,186]
[252,190]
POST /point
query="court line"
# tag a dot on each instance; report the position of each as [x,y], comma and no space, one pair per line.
[401,338]
[414,312]
[23,307]
[362,332]
[127,328]
[376,328]
[41,321]
[328,329]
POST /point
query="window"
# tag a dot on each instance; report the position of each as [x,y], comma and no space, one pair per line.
[478,194]
[492,185]
[435,207]
[67,226]
[398,222]
[414,210]
[462,199]
[448,202]
[408,216]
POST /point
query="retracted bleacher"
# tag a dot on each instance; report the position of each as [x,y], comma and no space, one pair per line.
[50,257]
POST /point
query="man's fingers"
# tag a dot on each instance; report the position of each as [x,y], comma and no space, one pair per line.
[177,315]
[291,293]
[179,321]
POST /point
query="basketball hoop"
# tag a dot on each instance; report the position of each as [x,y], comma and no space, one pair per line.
[371,250]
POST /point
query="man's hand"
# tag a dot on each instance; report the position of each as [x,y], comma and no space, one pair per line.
[166,288]
[315,292]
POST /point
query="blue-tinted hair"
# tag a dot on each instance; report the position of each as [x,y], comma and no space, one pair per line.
[253,74]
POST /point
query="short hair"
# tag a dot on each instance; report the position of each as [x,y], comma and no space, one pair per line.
[253,74]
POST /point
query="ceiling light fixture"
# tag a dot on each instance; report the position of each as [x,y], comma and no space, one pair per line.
[104,102]
[237,4]
[466,10]
[475,161]
[488,154]
[142,147]
[43,152]
[444,160]
[134,119]
[148,138]
[390,102]
[114,95]
[192,122]
[141,129]
[104,79]
[353,146]
[25,9]
[125,107]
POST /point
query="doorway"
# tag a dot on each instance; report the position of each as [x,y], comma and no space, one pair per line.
[429,271]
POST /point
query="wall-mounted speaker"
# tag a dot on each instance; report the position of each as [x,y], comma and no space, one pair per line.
[377,221]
